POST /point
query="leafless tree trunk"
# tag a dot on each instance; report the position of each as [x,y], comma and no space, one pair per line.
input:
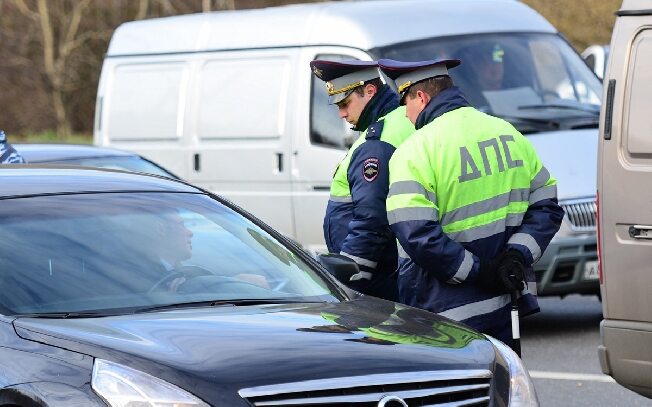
[225,5]
[57,49]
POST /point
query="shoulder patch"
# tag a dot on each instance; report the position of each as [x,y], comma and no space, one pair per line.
[375,130]
[370,169]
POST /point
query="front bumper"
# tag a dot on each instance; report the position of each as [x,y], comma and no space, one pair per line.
[560,271]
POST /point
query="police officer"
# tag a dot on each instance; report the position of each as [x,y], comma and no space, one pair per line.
[470,202]
[355,224]
[8,154]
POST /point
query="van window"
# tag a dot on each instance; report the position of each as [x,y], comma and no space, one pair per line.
[230,106]
[326,127]
[535,81]
[638,120]
[140,107]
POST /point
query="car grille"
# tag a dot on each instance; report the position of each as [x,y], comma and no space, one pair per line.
[581,214]
[450,388]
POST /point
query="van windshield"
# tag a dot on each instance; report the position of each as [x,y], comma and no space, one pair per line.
[536,81]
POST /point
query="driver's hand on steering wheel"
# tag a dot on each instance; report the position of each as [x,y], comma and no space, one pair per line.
[173,285]
[255,279]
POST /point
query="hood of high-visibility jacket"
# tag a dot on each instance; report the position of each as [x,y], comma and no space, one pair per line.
[383,102]
[447,100]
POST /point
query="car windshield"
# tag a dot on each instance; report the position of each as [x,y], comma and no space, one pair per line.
[128,163]
[125,252]
[535,81]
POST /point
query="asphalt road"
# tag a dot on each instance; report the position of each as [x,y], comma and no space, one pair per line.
[560,351]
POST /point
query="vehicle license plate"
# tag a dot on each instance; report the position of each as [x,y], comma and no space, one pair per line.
[591,270]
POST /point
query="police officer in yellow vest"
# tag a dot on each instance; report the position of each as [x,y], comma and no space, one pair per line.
[355,224]
[470,202]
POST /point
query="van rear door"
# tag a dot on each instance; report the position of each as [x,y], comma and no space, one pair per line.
[239,135]
[625,202]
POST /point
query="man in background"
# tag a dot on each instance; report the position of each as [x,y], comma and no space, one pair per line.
[8,154]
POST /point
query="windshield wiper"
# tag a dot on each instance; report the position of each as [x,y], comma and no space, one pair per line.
[65,315]
[560,106]
[218,303]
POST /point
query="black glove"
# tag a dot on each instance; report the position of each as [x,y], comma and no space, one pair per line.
[510,271]
[487,276]
[505,273]
[361,281]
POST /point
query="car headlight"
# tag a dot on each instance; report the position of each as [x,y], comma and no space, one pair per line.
[521,388]
[121,386]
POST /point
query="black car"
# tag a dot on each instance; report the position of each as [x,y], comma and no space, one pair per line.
[123,289]
[89,156]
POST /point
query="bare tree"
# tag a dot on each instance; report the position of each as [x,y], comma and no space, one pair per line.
[60,36]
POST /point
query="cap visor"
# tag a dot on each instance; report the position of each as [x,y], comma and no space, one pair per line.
[337,98]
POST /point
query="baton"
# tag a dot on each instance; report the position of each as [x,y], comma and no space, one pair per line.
[516,334]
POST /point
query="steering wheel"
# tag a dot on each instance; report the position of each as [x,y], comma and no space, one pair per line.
[183,271]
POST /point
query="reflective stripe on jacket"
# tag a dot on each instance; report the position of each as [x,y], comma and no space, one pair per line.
[465,187]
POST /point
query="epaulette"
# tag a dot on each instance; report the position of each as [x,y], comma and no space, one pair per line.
[375,130]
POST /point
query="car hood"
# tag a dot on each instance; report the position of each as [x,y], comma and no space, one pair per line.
[571,157]
[217,351]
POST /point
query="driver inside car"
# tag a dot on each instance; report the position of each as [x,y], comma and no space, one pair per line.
[172,244]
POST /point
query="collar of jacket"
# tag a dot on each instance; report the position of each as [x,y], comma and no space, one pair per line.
[447,100]
[383,102]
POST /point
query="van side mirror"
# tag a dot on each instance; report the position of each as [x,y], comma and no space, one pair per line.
[340,267]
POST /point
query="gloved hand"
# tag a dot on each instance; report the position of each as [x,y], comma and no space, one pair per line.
[505,273]
[360,281]
[510,271]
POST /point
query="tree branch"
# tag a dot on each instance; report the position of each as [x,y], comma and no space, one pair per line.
[24,10]
[143,5]
[48,41]
[73,27]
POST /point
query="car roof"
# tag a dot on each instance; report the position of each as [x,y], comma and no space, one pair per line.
[27,180]
[35,153]
[361,24]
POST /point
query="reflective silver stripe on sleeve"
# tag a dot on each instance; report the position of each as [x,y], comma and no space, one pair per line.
[464,269]
[540,179]
[530,288]
[527,241]
[401,252]
[360,260]
[405,214]
[540,194]
[340,198]
[361,275]
[473,309]
[485,206]
[480,232]
[411,187]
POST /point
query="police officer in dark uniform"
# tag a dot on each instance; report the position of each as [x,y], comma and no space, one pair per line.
[355,224]
[8,154]
[470,202]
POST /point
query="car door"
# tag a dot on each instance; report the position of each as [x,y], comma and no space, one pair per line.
[625,202]
[318,145]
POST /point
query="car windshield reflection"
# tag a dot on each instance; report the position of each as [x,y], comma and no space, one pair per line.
[117,253]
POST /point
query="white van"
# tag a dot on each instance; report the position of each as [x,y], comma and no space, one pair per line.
[227,101]
[625,192]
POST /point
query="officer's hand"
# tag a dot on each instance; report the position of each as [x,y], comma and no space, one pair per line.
[487,276]
[510,271]
[360,281]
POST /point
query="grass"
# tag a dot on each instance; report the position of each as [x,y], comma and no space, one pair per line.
[50,136]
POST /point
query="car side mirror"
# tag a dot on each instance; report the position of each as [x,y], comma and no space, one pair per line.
[340,267]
